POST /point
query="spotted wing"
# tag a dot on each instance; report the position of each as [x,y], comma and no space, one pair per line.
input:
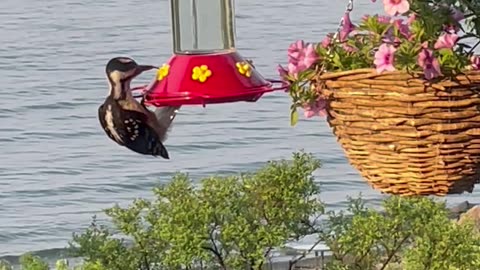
[139,136]
[130,129]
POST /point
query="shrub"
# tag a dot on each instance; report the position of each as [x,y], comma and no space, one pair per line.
[225,223]
[235,222]
[30,262]
[4,265]
[411,233]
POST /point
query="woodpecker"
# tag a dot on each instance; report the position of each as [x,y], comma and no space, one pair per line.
[129,122]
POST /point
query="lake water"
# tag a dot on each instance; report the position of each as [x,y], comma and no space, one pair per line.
[58,168]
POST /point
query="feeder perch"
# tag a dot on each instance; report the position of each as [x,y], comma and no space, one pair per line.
[205,67]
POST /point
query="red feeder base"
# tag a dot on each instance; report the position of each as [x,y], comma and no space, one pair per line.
[207,79]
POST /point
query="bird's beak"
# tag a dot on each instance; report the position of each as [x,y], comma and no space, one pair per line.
[142,68]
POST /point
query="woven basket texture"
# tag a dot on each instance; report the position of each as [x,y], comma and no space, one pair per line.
[407,136]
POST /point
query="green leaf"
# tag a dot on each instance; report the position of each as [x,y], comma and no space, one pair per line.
[293,117]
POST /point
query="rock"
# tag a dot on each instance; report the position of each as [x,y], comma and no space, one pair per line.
[460,208]
[472,214]
[457,210]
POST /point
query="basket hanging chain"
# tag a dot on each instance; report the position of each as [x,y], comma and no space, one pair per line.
[348,9]
[340,25]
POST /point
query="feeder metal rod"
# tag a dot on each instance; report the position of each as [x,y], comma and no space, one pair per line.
[224,27]
[195,24]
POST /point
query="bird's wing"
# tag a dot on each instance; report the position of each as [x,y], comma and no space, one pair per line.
[139,136]
[129,128]
[107,121]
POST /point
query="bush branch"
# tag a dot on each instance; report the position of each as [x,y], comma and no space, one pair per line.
[292,263]
[394,251]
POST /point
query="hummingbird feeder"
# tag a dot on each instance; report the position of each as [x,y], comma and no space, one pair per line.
[205,68]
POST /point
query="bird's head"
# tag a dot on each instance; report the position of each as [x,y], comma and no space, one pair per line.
[120,72]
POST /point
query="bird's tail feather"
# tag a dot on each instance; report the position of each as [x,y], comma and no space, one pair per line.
[165,116]
[161,150]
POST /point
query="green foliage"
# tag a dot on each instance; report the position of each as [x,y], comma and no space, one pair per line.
[61,265]
[98,246]
[4,265]
[30,262]
[224,223]
[411,233]
[92,266]
[235,222]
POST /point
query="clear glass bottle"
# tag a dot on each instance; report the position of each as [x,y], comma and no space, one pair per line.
[203,26]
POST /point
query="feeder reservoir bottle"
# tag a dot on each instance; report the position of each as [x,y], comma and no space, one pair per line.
[203,26]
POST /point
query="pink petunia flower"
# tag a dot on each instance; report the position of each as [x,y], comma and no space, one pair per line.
[384,19]
[300,57]
[446,41]
[292,70]
[315,108]
[327,41]
[411,19]
[295,49]
[475,62]
[451,28]
[347,27]
[384,58]
[310,56]
[388,37]
[402,28]
[283,72]
[395,7]
[456,14]
[396,42]
[430,64]
[349,48]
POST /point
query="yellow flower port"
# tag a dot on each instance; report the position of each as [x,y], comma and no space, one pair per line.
[201,73]
[163,72]
[244,68]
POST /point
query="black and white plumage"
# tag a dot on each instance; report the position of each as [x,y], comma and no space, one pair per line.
[128,122]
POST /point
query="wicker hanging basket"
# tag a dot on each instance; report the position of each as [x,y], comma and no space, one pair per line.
[404,135]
